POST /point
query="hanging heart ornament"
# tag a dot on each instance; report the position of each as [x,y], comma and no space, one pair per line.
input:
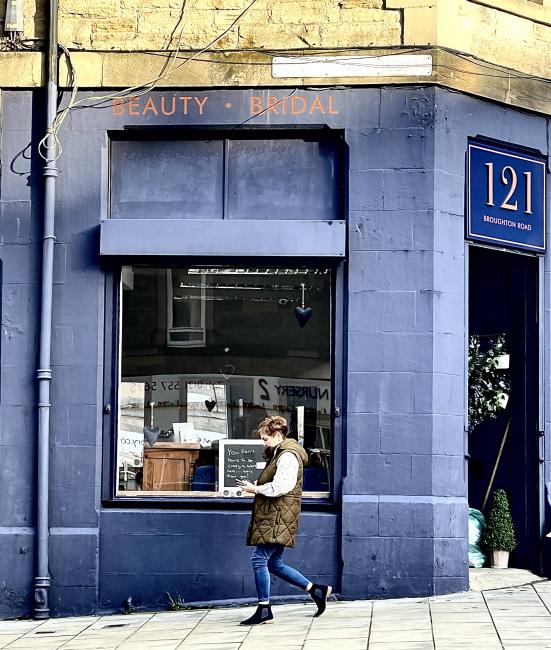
[303,315]
[210,404]
[151,434]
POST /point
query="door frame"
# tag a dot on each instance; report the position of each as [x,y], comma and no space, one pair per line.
[540,328]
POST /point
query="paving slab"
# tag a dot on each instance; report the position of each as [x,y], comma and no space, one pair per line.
[512,618]
[486,578]
[402,646]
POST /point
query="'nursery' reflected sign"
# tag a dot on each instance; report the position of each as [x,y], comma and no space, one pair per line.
[505,197]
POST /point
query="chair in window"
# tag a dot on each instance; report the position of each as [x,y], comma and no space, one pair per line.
[315,480]
[203,479]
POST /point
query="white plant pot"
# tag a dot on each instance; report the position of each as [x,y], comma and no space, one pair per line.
[499,559]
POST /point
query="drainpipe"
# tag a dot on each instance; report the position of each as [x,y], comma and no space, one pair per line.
[44,372]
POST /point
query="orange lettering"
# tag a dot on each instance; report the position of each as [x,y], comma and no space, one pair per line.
[256,105]
[271,104]
[331,111]
[200,103]
[163,108]
[185,100]
[316,106]
[133,106]
[150,106]
[118,106]
[294,101]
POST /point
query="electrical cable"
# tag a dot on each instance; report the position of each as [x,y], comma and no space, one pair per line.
[366,64]
[345,60]
[49,146]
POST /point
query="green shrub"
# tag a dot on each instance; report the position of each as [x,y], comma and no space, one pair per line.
[489,385]
[499,534]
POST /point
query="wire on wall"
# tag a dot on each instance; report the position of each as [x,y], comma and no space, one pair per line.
[51,139]
[173,62]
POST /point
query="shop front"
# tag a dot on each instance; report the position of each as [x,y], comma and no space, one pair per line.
[227,255]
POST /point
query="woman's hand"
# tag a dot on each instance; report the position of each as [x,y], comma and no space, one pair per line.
[246,486]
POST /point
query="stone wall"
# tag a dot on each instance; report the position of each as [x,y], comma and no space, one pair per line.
[497,49]
[512,33]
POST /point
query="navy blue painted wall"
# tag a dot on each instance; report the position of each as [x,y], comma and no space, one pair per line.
[19,254]
[403,529]
[199,554]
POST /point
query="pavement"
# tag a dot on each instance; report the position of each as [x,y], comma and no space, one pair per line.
[486,579]
[511,618]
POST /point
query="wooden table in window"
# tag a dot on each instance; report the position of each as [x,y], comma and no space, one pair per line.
[168,466]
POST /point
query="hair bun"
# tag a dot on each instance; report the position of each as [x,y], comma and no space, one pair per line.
[273,425]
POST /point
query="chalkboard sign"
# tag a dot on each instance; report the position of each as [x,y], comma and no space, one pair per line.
[239,459]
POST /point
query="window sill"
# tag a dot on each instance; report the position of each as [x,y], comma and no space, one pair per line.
[196,494]
[310,502]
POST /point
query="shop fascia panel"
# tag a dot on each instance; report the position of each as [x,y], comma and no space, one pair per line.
[223,238]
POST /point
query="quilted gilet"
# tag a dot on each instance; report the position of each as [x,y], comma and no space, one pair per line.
[274,520]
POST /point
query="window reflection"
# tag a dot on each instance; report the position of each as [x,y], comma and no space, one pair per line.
[207,353]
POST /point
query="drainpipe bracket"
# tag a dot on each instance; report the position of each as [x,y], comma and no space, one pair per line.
[52,172]
[44,373]
[41,594]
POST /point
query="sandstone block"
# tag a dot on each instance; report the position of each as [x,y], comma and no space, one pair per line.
[20,69]
[381,33]
[370,4]
[76,32]
[217,4]
[305,12]
[420,26]
[366,15]
[222,19]
[89,67]
[402,4]
[272,36]
[89,8]
[114,25]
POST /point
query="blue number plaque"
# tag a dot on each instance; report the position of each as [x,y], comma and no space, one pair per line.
[505,197]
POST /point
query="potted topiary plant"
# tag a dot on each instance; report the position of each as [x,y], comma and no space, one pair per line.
[499,535]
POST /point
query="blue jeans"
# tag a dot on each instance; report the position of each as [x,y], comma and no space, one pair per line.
[266,559]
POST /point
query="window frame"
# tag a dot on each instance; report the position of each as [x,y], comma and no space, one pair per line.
[170,329]
[226,137]
[112,359]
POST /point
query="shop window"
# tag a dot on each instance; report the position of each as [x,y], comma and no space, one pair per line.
[258,344]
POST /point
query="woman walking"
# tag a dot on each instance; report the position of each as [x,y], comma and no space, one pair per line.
[274,520]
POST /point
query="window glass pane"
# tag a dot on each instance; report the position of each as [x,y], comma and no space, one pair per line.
[186,299]
[257,345]
[282,179]
[161,179]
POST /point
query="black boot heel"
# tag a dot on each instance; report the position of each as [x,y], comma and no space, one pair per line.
[320,594]
[262,615]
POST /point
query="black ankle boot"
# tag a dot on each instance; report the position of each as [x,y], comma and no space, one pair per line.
[262,615]
[319,594]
